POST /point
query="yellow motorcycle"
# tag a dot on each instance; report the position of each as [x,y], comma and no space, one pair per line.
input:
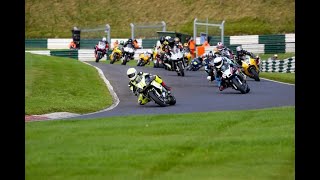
[186,55]
[156,56]
[116,55]
[250,68]
[144,58]
[150,90]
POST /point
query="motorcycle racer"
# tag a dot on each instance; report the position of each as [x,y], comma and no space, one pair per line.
[207,58]
[130,41]
[241,54]
[224,51]
[135,77]
[104,43]
[219,62]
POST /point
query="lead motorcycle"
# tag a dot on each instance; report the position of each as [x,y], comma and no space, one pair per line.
[153,91]
[100,49]
[234,78]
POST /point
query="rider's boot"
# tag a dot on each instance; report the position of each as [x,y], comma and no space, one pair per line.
[165,86]
[222,86]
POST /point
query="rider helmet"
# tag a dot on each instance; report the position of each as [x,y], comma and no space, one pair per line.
[162,39]
[220,46]
[239,51]
[121,43]
[132,73]
[130,40]
[171,42]
[210,54]
[176,39]
[104,39]
[218,62]
[275,56]
[168,37]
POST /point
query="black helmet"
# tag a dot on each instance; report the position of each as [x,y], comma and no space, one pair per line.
[171,42]
[130,40]
[162,39]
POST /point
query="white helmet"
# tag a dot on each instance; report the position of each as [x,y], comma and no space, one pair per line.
[132,73]
[238,48]
[104,39]
[218,62]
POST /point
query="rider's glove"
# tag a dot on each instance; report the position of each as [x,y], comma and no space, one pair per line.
[139,90]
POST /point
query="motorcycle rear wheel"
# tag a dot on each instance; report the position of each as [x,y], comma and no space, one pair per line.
[125,60]
[156,99]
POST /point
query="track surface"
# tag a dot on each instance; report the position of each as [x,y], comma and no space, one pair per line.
[193,93]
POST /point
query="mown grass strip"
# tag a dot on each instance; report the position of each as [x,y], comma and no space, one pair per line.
[253,144]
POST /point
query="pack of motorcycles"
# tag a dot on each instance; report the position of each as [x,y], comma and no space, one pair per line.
[179,60]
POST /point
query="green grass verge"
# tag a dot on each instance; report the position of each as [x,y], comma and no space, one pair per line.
[242,145]
[58,84]
[281,56]
[282,77]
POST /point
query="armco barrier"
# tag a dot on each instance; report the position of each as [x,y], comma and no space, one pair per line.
[283,66]
[40,52]
[265,44]
[65,53]
[82,54]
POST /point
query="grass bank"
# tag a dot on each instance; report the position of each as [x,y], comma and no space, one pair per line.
[58,84]
[55,19]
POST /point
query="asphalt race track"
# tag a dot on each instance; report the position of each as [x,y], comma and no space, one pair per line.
[193,93]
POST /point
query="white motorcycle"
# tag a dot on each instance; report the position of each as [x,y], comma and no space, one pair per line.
[177,61]
[234,78]
[128,53]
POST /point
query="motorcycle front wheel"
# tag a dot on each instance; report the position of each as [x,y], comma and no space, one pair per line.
[254,74]
[98,56]
[180,66]
[113,59]
[172,100]
[241,86]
